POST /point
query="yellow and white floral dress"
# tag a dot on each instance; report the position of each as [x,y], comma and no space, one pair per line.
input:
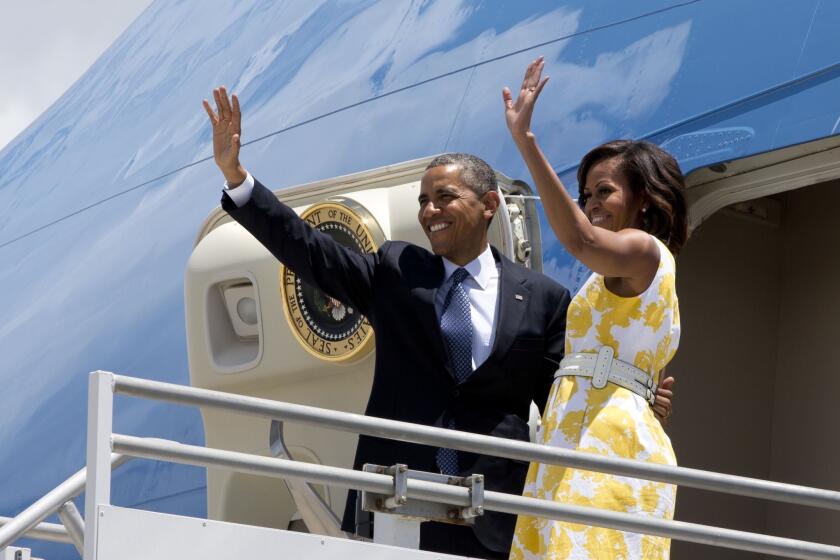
[643,330]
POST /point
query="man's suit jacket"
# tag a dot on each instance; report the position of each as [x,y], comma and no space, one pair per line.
[413,379]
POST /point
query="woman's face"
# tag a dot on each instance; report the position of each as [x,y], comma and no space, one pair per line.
[610,203]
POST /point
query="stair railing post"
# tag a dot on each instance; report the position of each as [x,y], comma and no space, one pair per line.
[73,522]
[100,425]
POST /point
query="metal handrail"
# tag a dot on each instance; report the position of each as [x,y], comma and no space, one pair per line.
[476,443]
[27,520]
[53,532]
[460,496]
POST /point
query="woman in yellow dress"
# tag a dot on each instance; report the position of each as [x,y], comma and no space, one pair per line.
[622,329]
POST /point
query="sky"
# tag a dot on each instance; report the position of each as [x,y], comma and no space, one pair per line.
[46,45]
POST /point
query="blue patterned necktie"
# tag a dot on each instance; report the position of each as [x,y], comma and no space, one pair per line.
[456,328]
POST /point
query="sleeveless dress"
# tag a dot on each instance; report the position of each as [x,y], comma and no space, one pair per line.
[644,331]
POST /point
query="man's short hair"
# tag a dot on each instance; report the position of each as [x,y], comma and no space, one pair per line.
[475,172]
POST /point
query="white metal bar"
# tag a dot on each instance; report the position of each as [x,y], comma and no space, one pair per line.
[100,420]
[73,522]
[477,443]
[455,495]
[52,532]
[24,522]
[175,452]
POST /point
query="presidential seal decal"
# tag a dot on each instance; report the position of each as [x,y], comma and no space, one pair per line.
[326,327]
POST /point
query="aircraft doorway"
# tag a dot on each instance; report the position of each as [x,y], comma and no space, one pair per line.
[758,370]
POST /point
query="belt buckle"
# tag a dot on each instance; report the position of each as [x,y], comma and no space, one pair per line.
[603,367]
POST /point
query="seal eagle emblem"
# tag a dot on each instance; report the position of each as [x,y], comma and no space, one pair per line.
[328,328]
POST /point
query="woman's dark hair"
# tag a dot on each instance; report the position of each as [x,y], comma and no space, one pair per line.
[654,174]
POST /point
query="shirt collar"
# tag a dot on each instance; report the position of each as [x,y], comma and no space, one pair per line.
[482,269]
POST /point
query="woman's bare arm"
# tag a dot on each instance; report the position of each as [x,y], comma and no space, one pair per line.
[629,253]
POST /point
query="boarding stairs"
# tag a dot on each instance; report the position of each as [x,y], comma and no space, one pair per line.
[399,498]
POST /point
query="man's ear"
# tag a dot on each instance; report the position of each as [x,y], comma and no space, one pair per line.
[491,203]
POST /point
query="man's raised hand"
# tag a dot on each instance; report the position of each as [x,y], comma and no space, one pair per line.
[227,123]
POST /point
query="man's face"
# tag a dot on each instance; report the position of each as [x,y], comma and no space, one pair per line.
[452,215]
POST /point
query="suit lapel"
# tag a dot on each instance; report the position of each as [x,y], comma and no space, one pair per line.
[513,303]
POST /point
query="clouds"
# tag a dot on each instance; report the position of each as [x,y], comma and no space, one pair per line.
[45,46]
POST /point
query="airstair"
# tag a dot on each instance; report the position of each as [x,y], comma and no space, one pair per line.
[400,499]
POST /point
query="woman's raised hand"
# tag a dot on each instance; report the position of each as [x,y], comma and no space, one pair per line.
[227,125]
[518,113]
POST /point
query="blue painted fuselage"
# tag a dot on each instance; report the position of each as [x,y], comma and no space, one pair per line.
[101,198]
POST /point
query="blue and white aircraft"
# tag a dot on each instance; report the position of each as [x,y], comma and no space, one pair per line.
[105,197]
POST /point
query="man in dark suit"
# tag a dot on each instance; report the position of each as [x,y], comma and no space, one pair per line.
[465,338]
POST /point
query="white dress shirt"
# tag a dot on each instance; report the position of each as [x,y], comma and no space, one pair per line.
[242,194]
[482,286]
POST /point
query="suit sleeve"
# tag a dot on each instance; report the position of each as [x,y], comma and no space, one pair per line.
[314,256]
[555,345]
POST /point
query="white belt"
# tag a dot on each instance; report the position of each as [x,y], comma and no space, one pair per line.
[602,367]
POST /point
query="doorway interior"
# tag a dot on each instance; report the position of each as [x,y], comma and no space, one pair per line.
[758,369]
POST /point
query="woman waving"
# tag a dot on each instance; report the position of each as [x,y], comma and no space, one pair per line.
[622,329]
